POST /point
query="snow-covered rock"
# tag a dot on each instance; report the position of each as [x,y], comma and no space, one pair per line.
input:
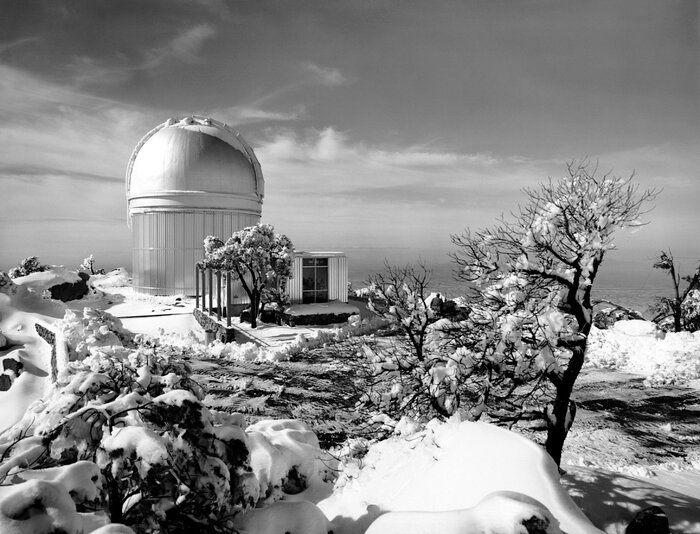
[449,466]
[38,507]
[41,281]
[300,517]
[503,512]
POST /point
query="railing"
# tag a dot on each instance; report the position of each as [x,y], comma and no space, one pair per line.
[208,290]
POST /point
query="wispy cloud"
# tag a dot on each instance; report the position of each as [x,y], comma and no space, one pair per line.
[184,48]
[243,114]
[32,173]
[327,76]
[8,45]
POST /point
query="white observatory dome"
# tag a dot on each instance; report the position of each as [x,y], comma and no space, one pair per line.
[187,179]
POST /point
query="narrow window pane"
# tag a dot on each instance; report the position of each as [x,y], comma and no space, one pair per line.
[321,261]
[321,296]
[308,280]
[307,262]
[307,297]
[322,278]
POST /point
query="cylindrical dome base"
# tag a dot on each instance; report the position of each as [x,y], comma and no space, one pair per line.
[167,245]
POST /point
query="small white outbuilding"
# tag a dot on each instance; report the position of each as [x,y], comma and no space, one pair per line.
[318,277]
[186,179]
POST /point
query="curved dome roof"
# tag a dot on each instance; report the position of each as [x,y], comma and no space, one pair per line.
[194,155]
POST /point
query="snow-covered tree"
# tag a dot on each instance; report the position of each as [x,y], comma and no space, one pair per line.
[680,308]
[535,272]
[260,258]
[88,265]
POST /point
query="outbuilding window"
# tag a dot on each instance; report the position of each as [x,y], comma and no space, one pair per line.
[314,283]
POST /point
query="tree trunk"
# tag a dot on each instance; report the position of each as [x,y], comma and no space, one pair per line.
[557,424]
[677,313]
[115,502]
[254,311]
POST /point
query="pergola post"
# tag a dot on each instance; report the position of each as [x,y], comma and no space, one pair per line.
[204,288]
[196,287]
[228,298]
[218,294]
[210,280]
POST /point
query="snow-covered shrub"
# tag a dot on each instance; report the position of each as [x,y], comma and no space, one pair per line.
[27,266]
[94,328]
[124,432]
[355,327]
[177,345]
[7,285]
[690,309]
[163,458]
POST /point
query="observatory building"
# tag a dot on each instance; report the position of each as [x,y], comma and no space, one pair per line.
[187,179]
[194,177]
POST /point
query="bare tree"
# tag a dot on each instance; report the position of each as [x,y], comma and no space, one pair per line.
[553,246]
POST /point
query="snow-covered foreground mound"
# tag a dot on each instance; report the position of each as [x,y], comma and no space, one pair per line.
[20,310]
[638,347]
[448,467]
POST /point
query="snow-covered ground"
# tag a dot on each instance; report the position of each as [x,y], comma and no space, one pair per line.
[449,477]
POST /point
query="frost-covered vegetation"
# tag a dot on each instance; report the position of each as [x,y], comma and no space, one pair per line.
[523,343]
[260,258]
[123,436]
[682,311]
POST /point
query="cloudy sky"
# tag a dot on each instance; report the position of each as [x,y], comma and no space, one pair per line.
[382,126]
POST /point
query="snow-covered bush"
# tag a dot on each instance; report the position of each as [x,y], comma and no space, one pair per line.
[7,286]
[94,328]
[190,346]
[690,308]
[156,455]
[124,432]
[682,311]
[27,266]
[162,457]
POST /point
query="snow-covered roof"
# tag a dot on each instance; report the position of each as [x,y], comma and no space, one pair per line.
[317,254]
[195,156]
